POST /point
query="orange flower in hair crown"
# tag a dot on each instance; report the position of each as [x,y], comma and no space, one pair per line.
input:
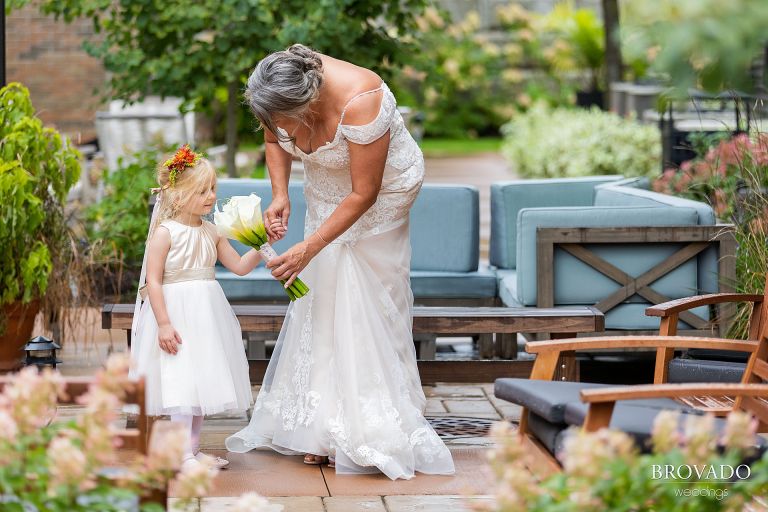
[183,158]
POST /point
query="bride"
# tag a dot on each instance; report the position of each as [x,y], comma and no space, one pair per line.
[342,385]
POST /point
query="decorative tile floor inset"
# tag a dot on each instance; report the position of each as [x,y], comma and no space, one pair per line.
[454,427]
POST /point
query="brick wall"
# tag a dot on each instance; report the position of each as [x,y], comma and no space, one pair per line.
[47,57]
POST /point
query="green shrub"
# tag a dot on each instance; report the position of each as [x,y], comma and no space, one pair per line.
[556,143]
[605,471]
[467,85]
[732,177]
[38,167]
[119,222]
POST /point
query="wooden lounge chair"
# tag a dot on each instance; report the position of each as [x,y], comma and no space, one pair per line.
[550,407]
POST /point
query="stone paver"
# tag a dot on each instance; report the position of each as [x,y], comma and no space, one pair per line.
[435,405]
[469,406]
[289,504]
[453,391]
[299,503]
[354,504]
[473,476]
[435,503]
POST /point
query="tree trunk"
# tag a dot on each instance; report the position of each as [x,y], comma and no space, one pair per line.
[231,135]
[613,65]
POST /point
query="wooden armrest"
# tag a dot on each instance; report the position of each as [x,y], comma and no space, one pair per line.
[613,394]
[671,307]
[602,401]
[608,342]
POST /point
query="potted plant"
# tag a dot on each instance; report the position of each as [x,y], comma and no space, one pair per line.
[577,46]
[37,258]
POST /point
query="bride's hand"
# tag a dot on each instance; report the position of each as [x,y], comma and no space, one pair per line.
[288,265]
[278,213]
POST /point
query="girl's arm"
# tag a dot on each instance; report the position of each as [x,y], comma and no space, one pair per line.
[242,265]
[237,264]
[157,251]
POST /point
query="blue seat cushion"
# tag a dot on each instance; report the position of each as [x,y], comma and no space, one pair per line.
[508,288]
[260,285]
[445,229]
[257,285]
[430,284]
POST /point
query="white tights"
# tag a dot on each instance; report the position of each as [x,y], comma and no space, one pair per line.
[194,424]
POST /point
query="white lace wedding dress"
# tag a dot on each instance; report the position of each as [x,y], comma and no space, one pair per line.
[343,379]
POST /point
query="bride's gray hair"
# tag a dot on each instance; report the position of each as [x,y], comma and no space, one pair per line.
[284,83]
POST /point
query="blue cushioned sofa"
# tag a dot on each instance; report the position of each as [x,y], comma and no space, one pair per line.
[572,209]
[445,237]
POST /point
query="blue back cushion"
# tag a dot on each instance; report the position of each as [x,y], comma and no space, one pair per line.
[577,283]
[445,229]
[508,198]
[625,196]
[228,187]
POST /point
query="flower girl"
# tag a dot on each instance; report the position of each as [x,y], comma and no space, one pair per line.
[187,341]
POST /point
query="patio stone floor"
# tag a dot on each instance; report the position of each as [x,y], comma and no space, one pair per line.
[303,488]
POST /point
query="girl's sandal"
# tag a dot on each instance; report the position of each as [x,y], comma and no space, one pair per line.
[331,462]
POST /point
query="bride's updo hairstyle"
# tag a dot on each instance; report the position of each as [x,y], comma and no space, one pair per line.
[181,177]
[284,83]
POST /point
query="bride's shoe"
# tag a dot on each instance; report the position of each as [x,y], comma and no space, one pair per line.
[315,460]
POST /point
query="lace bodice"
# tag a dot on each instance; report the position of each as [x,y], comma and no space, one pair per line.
[328,180]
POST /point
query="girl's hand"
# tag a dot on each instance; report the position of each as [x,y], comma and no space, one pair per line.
[278,229]
[169,339]
[277,214]
[288,265]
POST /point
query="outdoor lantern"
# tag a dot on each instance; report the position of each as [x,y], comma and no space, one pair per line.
[41,351]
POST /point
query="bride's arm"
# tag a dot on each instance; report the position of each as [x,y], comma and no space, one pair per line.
[279,167]
[367,170]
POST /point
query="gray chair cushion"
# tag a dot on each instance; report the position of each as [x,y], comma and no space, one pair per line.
[629,414]
[718,355]
[546,432]
[543,397]
[703,370]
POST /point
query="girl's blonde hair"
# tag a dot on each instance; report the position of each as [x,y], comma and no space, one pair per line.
[174,196]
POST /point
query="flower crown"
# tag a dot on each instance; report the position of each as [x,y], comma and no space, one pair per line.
[183,158]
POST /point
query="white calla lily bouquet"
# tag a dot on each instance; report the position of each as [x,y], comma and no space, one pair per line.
[240,219]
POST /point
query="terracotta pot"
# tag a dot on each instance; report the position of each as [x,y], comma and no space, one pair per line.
[18,325]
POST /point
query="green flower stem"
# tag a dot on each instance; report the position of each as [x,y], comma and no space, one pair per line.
[298,288]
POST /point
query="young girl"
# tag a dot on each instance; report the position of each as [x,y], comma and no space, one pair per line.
[187,341]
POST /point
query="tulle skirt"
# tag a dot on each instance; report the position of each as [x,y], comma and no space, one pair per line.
[343,380]
[209,374]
